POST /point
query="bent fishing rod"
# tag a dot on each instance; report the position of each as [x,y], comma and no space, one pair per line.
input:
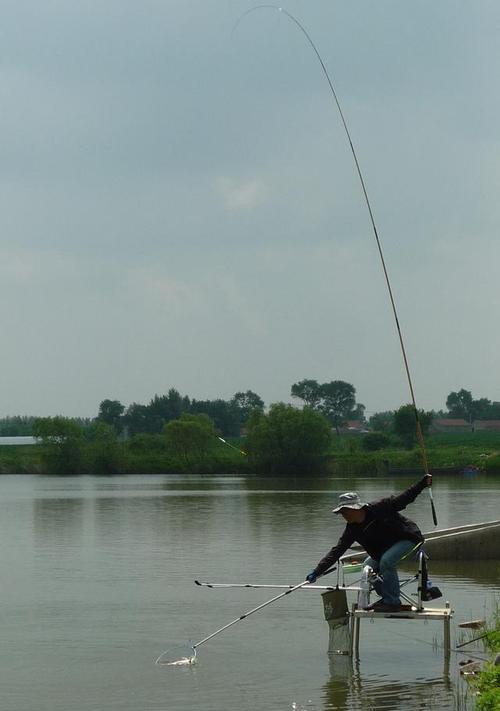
[420,436]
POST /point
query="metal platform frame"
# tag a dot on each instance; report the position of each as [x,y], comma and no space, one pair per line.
[415,611]
[444,613]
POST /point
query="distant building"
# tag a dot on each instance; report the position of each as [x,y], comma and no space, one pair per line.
[487,425]
[450,425]
[458,425]
[12,441]
[354,427]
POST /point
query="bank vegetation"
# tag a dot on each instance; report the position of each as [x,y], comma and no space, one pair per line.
[285,441]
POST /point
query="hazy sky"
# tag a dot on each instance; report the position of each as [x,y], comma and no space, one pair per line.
[179,206]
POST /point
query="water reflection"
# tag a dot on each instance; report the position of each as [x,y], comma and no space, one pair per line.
[454,577]
[58,521]
[341,687]
[350,688]
[486,572]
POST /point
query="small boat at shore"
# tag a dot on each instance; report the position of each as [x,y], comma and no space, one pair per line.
[476,541]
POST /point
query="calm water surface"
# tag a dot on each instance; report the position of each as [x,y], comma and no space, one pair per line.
[98,580]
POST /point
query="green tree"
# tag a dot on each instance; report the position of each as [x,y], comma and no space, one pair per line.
[110,412]
[163,408]
[104,451]
[382,421]
[63,444]
[460,405]
[288,440]
[494,411]
[245,403]
[405,424]
[225,414]
[358,413]
[143,443]
[338,400]
[374,441]
[191,437]
[482,409]
[137,419]
[309,391]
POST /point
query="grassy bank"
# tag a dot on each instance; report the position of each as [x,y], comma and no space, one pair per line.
[20,460]
[444,452]
[488,681]
[119,459]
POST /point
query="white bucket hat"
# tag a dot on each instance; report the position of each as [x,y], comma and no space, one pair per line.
[349,500]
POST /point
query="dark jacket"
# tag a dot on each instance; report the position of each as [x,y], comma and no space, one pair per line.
[382,528]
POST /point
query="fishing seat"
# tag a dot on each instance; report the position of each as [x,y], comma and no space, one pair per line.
[370,580]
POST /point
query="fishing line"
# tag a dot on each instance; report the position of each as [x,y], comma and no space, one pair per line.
[304,32]
[436,645]
[189,656]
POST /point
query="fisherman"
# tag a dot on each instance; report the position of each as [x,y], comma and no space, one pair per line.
[385,534]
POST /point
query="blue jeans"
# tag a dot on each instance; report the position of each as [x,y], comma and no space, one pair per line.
[386,566]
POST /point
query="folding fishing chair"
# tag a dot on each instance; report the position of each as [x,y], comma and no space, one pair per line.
[371,580]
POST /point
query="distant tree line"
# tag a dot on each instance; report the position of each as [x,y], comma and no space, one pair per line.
[335,400]
[176,433]
[17,426]
[186,444]
[401,422]
[22,425]
[228,416]
[286,440]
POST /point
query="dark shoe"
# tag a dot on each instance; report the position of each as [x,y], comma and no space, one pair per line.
[382,606]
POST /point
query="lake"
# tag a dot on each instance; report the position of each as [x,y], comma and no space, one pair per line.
[98,580]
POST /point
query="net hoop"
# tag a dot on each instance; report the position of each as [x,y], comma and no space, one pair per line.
[169,658]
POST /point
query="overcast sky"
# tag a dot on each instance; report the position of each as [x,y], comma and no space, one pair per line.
[179,206]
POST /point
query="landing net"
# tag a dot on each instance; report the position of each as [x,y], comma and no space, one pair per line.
[177,656]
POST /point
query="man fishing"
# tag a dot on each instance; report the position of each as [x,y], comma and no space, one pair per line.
[385,534]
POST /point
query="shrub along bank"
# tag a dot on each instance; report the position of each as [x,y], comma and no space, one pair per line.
[488,679]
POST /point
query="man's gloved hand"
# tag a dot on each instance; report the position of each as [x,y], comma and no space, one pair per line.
[311,577]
